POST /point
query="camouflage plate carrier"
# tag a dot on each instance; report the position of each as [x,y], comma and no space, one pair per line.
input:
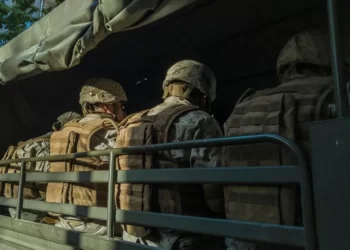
[285,110]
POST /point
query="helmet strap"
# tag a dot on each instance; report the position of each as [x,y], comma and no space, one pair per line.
[56,126]
[117,110]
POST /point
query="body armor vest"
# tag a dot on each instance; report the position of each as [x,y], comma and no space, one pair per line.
[286,110]
[72,138]
[31,190]
[142,129]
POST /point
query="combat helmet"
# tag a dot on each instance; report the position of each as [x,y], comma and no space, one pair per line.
[195,74]
[102,90]
[307,47]
[65,118]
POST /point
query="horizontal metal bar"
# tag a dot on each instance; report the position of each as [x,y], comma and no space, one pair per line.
[8,202]
[285,235]
[10,177]
[83,176]
[43,235]
[98,213]
[216,142]
[269,233]
[220,175]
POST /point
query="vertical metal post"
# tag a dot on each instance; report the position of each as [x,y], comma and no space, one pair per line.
[111,204]
[337,59]
[20,190]
[307,196]
[41,8]
[307,201]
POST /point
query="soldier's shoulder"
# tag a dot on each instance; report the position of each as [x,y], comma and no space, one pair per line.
[196,116]
[201,123]
[36,140]
[200,118]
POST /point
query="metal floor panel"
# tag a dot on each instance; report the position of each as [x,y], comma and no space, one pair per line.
[20,234]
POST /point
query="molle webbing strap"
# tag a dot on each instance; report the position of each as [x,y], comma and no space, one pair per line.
[162,125]
[10,190]
[4,168]
[258,115]
[172,198]
[133,118]
[142,129]
[134,131]
[247,93]
[286,110]
[165,119]
[74,137]
[9,154]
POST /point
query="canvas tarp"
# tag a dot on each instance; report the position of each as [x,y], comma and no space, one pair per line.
[60,39]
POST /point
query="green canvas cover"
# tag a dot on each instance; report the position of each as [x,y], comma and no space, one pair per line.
[60,39]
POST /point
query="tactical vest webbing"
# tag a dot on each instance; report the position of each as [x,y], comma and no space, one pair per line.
[72,138]
[143,129]
[31,190]
[285,110]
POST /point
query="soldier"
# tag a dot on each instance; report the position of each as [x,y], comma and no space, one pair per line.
[102,102]
[304,95]
[36,147]
[189,88]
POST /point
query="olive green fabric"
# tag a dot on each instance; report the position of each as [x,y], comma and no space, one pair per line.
[59,40]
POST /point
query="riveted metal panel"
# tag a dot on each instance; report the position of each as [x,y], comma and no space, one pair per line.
[331,171]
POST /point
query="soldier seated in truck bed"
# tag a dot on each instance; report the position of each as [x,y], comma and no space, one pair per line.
[304,95]
[36,147]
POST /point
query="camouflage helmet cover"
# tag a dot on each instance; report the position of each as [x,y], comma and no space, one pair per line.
[102,90]
[195,74]
[68,116]
[310,46]
[65,118]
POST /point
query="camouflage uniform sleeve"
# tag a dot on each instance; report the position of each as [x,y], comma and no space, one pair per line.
[36,149]
[103,139]
[208,128]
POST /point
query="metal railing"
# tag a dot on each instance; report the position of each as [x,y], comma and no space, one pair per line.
[285,235]
[340,91]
